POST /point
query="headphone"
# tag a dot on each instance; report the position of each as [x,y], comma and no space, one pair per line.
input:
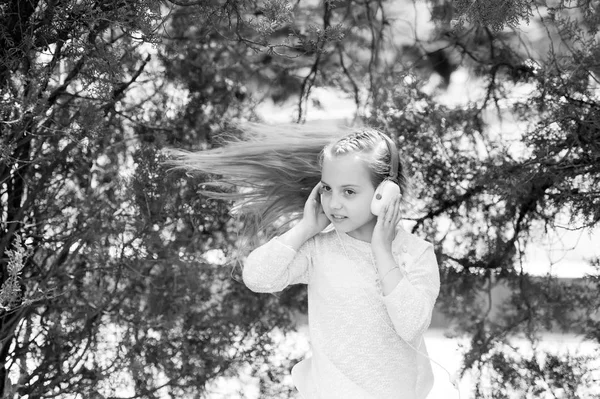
[388,188]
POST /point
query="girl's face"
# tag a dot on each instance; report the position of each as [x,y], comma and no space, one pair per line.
[346,194]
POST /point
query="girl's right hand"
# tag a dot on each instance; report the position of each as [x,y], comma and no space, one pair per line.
[314,219]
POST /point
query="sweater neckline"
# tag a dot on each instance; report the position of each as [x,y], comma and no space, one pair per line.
[355,242]
[362,245]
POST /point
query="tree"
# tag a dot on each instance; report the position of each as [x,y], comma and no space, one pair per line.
[107,288]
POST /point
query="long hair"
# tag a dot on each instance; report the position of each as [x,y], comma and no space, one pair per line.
[268,171]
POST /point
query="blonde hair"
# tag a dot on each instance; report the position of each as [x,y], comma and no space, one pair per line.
[376,149]
[268,171]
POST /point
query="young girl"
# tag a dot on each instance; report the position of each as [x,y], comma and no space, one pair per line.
[371,285]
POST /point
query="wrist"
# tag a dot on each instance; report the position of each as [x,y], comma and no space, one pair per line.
[304,230]
[295,237]
[382,252]
[384,260]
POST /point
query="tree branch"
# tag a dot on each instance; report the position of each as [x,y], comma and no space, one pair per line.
[309,80]
[118,92]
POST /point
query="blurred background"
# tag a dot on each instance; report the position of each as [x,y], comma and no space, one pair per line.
[119,280]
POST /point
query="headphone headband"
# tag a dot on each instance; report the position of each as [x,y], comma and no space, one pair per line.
[393,174]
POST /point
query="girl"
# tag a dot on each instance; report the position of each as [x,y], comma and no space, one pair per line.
[371,285]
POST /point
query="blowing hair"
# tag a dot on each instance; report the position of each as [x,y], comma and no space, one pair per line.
[268,171]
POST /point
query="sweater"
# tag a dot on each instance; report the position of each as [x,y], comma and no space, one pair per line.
[364,344]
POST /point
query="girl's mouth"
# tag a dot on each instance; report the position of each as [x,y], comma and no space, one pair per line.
[338,217]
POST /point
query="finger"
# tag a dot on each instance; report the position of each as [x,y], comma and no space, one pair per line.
[396,215]
[399,215]
[389,214]
[382,215]
[314,194]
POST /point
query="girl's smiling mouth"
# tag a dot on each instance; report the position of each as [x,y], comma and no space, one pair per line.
[338,217]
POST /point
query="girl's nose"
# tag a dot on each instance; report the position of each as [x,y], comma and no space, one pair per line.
[335,203]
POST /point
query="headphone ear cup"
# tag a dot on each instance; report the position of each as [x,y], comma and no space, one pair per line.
[384,193]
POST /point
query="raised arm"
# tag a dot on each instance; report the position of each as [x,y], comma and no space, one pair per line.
[410,304]
[283,261]
[286,259]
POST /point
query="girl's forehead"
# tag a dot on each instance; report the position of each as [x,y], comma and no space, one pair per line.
[345,170]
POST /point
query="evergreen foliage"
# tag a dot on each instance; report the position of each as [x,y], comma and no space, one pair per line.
[119,280]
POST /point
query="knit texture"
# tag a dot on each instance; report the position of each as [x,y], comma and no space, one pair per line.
[358,336]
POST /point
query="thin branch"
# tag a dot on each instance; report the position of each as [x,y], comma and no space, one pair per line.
[119,90]
[447,205]
[309,80]
[355,88]
[70,77]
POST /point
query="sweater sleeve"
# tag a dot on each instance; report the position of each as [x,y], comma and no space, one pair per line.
[410,304]
[274,265]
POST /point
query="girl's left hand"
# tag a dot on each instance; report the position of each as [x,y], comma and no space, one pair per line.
[385,228]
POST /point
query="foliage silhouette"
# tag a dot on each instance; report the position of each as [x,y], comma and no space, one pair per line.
[108,289]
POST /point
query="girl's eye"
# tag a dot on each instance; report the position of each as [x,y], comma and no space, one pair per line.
[325,189]
[349,192]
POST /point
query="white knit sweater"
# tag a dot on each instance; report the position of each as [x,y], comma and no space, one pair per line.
[358,336]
